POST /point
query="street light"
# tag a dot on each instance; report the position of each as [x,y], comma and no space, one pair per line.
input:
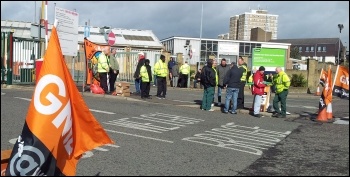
[340,26]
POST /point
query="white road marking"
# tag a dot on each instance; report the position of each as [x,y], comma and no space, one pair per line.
[105,112]
[27,99]
[93,110]
[139,136]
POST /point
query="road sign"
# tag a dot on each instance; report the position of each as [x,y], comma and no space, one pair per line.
[87,31]
[111,38]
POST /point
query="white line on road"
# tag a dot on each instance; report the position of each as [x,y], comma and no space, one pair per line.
[139,136]
[184,101]
[27,99]
[93,110]
[105,112]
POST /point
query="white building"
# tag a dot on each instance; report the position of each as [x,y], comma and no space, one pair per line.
[204,48]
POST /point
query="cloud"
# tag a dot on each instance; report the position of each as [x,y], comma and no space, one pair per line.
[297,19]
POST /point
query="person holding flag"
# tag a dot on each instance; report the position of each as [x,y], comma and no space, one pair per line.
[58,127]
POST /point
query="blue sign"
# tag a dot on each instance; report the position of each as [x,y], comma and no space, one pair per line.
[87,31]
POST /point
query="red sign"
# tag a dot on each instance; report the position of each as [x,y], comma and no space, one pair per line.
[111,38]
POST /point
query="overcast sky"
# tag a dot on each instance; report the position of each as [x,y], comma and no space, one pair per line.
[307,19]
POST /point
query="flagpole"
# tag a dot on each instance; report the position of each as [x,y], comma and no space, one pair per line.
[46,26]
[320,76]
[335,76]
[200,34]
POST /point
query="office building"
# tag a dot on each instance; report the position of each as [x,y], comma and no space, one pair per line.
[241,25]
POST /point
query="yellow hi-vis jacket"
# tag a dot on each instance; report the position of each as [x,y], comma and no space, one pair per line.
[281,81]
[102,66]
[144,74]
[216,77]
[161,69]
[185,69]
[244,75]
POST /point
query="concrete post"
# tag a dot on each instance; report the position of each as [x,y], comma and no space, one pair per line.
[312,76]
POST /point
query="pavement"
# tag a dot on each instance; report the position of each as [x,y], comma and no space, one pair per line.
[292,94]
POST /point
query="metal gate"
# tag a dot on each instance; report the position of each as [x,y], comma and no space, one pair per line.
[128,62]
[18,59]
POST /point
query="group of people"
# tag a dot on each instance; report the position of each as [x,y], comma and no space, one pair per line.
[178,75]
[143,77]
[233,79]
[108,69]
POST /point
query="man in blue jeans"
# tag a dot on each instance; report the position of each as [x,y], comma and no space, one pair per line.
[232,82]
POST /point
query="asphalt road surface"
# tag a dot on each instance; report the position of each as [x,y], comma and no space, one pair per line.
[174,137]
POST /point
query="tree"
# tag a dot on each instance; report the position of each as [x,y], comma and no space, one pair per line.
[294,53]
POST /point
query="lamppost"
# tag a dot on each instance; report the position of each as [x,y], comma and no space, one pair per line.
[340,26]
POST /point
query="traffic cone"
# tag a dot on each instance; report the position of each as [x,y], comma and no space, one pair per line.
[322,116]
[325,115]
[318,93]
[329,112]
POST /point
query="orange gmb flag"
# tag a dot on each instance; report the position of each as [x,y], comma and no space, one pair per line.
[323,77]
[59,126]
[341,82]
[326,96]
[92,51]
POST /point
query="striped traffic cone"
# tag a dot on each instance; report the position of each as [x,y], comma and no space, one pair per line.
[318,92]
[329,112]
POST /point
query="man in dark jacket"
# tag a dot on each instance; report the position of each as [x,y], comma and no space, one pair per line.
[208,80]
[140,63]
[232,82]
[171,63]
[258,90]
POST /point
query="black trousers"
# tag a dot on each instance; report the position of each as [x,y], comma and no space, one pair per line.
[112,78]
[240,99]
[103,81]
[184,78]
[145,88]
[161,86]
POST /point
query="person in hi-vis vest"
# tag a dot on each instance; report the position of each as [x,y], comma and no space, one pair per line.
[184,71]
[103,69]
[146,78]
[161,71]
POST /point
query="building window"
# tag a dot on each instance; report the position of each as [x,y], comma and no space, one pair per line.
[312,49]
[300,49]
[307,49]
[319,49]
[324,49]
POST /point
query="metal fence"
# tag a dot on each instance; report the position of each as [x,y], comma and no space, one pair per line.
[18,61]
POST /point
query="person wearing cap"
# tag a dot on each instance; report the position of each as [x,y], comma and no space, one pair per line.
[258,90]
[146,78]
[161,70]
[140,63]
[208,79]
[231,83]
[282,83]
